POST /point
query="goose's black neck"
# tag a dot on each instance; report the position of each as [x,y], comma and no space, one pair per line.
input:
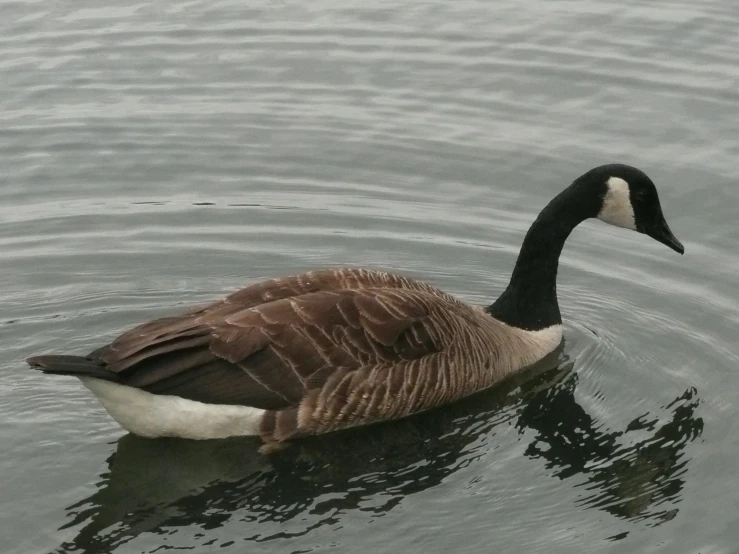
[530,300]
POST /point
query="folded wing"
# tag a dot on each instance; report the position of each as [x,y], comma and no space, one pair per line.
[267,345]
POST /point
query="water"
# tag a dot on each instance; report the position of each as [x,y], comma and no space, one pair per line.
[157,155]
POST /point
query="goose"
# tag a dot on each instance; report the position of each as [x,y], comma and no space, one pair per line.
[333,349]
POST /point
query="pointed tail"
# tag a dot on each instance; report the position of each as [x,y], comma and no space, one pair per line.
[78,366]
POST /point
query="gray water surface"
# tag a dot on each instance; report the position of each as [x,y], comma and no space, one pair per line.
[161,154]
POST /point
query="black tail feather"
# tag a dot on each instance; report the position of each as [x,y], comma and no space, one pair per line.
[78,366]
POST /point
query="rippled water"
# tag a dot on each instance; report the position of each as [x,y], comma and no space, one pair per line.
[157,155]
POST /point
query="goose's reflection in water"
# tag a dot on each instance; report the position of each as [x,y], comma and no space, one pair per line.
[155,486]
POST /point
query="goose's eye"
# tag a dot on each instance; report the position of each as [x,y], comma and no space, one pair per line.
[641,194]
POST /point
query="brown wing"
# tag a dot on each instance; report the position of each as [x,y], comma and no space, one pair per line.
[267,345]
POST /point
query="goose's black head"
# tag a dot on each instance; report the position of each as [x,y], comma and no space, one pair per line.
[617,194]
[628,198]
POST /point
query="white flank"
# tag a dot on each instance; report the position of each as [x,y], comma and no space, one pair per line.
[159,415]
[617,209]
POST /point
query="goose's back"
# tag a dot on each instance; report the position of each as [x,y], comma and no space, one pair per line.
[323,350]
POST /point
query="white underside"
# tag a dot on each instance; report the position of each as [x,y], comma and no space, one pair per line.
[158,415]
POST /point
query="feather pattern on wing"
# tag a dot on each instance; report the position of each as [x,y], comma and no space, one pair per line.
[320,351]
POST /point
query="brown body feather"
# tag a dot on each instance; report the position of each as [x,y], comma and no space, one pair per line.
[320,351]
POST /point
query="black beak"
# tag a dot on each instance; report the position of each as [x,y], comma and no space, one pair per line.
[661,233]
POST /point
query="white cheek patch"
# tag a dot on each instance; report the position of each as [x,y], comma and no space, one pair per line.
[617,209]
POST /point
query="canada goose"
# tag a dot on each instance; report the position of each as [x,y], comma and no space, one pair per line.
[331,349]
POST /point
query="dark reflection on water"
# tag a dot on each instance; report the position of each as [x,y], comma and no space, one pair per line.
[157,486]
[626,480]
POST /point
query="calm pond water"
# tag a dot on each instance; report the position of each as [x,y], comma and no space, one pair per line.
[158,155]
